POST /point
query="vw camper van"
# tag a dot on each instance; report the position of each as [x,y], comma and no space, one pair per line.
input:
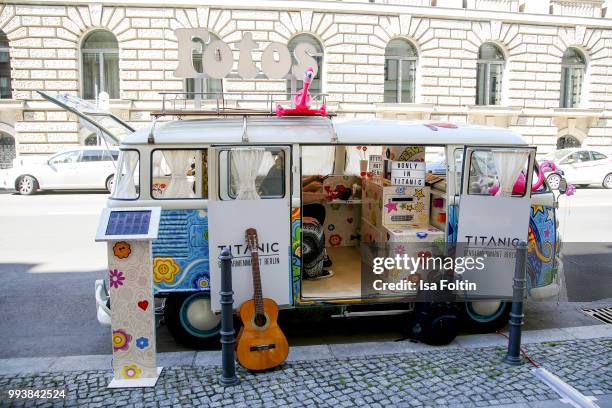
[196,171]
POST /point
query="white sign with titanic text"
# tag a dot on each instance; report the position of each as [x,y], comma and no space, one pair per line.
[227,223]
[490,227]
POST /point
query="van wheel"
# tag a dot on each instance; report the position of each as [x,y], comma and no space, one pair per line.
[486,316]
[110,182]
[191,321]
[27,185]
[607,181]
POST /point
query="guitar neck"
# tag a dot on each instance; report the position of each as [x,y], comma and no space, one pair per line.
[257,292]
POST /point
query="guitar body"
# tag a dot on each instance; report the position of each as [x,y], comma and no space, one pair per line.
[261,345]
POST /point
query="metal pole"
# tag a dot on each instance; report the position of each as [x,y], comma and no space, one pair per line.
[228,375]
[513,356]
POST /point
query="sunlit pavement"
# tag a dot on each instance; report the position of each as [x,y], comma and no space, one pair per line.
[49,262]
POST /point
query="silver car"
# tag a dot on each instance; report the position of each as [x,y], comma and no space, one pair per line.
[581,167]
[77,168]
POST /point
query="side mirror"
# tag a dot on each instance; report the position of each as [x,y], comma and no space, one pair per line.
[562,186]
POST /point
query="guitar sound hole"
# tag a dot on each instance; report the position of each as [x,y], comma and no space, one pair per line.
[260,320]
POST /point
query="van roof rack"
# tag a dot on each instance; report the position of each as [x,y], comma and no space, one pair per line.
[227,104]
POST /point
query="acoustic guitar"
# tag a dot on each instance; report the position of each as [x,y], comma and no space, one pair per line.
[261,343]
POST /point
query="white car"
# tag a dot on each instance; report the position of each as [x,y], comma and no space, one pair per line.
[77,168]
[581,167]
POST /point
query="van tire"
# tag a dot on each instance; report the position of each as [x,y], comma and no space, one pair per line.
[479,323]
[181,315]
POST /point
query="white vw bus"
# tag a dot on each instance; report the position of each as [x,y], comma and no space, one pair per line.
[196,170]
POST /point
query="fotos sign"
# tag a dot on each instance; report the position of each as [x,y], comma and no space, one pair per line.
[218,58]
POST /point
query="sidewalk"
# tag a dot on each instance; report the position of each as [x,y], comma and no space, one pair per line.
[467,373]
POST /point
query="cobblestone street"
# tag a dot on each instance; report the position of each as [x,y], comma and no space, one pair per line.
[442,378]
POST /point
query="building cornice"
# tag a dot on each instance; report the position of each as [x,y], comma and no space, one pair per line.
[347,7]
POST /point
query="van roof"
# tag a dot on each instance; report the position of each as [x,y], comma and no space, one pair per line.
[320,130]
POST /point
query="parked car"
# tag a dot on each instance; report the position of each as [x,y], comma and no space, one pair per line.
[78,168]
[580,167]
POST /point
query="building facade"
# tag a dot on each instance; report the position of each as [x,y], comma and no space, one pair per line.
[540,67]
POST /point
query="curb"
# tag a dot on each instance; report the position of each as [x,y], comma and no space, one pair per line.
[31,365]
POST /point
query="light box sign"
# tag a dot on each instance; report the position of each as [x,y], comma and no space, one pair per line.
[408,173]
[218,58]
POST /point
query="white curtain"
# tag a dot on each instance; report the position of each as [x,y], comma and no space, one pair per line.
[508,164]
[317,160]
[245,167]
[179,162]
[124,181]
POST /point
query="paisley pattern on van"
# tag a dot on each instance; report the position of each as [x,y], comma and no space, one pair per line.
[541,268]
[183,237]
[296,252]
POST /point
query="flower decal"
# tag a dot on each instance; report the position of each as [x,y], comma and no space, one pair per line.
[335,240]
[331,227]
[131,371]
[165,269]
[142,342]
[121,340]
[122,249]
[115,278]
[201,282]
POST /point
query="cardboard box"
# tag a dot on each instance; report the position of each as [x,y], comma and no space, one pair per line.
[394,205]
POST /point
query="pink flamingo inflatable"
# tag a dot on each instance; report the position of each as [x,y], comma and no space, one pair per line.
[302,101]
[519,185]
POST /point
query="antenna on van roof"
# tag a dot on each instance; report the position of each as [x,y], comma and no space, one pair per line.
[227,104]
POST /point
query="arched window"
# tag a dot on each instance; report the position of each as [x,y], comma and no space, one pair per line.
[202,88]
[400,71]
[489,75]
[295,84]
[568,141]
[5,68]
[573,66]
[7,150]
[100,59]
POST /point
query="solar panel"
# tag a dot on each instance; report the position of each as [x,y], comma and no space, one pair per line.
[128,222]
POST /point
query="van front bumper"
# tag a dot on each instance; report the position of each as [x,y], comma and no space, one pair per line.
[102,303]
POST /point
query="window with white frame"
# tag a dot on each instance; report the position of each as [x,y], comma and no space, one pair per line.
[5,67]
[202,88]
[489,76]
[295,84]
[573,67]
[400,71]
[100,65]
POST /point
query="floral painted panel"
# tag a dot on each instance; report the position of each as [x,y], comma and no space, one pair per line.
[180,253]
[132,311]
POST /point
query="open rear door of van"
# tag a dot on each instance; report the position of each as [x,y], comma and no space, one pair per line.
[493,216]
[100,121]
[250,187]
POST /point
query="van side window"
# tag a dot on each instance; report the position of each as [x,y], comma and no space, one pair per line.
[269,177]
[179,174]
[127,178]
[485,175]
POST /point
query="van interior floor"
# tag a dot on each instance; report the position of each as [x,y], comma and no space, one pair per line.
[346,282]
